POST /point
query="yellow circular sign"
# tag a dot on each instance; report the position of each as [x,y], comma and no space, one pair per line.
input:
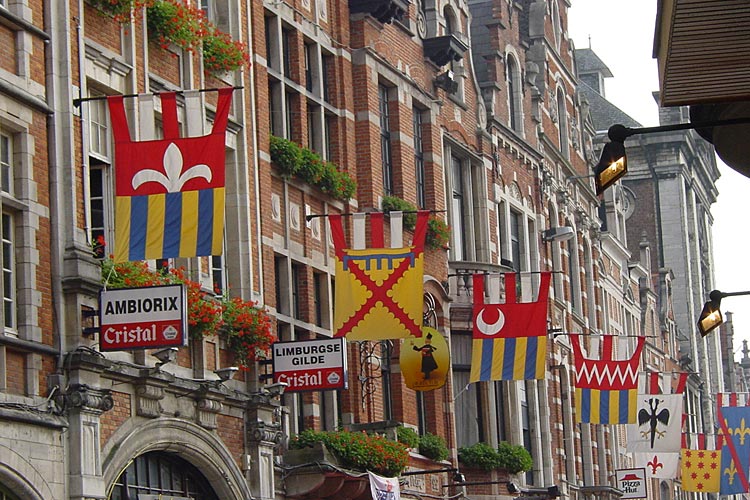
[425,361]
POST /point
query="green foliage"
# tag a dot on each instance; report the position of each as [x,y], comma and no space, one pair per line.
[480,455]
[286,155]
[396,204]
[512,458]
[438,233]
[433,447]
[358,450]
[293,160]
[408,436]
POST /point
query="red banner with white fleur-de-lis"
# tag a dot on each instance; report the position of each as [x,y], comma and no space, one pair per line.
[169,193]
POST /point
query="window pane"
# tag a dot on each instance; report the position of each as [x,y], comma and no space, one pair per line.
[5,164]
[385,140]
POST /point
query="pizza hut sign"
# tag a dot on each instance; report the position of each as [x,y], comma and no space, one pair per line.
[142,318]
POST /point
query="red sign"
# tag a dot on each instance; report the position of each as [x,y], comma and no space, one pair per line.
[142,318]
[310,365]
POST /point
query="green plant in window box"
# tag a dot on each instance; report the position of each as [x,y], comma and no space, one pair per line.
[358,450]
[408,436]
[433,447]
[510,457]
[287,156]
[295,161]
[396,204]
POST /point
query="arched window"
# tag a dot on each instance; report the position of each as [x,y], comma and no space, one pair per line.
[159,473]
[556,24]
[515,106]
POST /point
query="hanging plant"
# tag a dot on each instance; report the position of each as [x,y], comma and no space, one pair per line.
[119,9]
[177,22]
[245,327]
[293,160]
[204,311]
[222,54]
[438,233]
[247,330]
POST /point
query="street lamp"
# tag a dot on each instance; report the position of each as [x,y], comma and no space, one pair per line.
[711,317]
[613,163]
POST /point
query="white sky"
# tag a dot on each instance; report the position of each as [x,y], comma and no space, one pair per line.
[622,34]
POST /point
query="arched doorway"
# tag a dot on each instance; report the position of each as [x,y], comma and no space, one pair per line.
[160,473]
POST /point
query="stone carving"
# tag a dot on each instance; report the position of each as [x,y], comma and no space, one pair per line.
[89,399]
[147,401]
[207,411]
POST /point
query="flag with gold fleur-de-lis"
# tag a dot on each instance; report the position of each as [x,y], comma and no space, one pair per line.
[169,193]
[734,424]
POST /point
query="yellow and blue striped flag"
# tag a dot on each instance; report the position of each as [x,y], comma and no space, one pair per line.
[510,339]
[169,193]
[606,389]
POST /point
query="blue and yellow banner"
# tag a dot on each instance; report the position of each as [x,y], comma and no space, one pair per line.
[169,193]
[510,339]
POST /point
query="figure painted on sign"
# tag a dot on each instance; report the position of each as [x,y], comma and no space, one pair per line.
[428,361]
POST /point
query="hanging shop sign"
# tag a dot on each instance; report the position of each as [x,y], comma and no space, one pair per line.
[425,361]
[310,365]
[632,482]
[142,318]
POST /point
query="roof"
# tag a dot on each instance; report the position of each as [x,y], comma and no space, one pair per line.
[589,62]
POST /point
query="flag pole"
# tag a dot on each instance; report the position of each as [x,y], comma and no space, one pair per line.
[310,217]
[77,102]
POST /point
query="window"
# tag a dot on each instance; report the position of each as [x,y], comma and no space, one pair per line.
[309,58]
[573,276]
[327,76]
[515,107]
[98,127]
[5,494]
[419,158]
[217,274]
[318,290]
[526,425]
[469,419]
[6,170]
[9,276]
[160,473]
[459,216]
[286,52]
[562,124]
[289,115]
[515,240]
[385,140]
[385,377]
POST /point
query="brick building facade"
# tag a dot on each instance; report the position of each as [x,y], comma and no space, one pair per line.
[468,109]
